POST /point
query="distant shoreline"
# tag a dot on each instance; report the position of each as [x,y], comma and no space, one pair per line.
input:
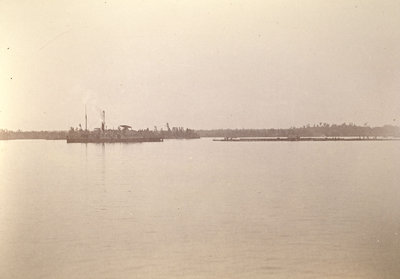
[316,130]
[307,131]
[317,139]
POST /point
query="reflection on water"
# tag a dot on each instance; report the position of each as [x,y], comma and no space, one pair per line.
[199,209]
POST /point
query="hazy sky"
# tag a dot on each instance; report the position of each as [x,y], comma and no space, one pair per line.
[199,64]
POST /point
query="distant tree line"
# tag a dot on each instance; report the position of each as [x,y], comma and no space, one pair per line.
[316,130]
[174,133]
[49,135]
[178,133]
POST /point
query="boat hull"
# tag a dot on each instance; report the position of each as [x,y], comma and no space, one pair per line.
[110,140]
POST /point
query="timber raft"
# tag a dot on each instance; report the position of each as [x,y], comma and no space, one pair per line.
[229,139]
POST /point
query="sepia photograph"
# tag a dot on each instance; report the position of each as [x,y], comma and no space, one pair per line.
[199,139]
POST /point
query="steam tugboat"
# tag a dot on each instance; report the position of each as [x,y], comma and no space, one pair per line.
[124,134]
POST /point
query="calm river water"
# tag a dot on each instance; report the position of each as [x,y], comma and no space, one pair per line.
[200,209]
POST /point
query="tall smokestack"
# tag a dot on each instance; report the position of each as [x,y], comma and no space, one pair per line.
[103,124]
[85,119]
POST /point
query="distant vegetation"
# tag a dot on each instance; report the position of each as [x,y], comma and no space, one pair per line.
[316,130]
[177,133]
[50,135]
[170,133]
